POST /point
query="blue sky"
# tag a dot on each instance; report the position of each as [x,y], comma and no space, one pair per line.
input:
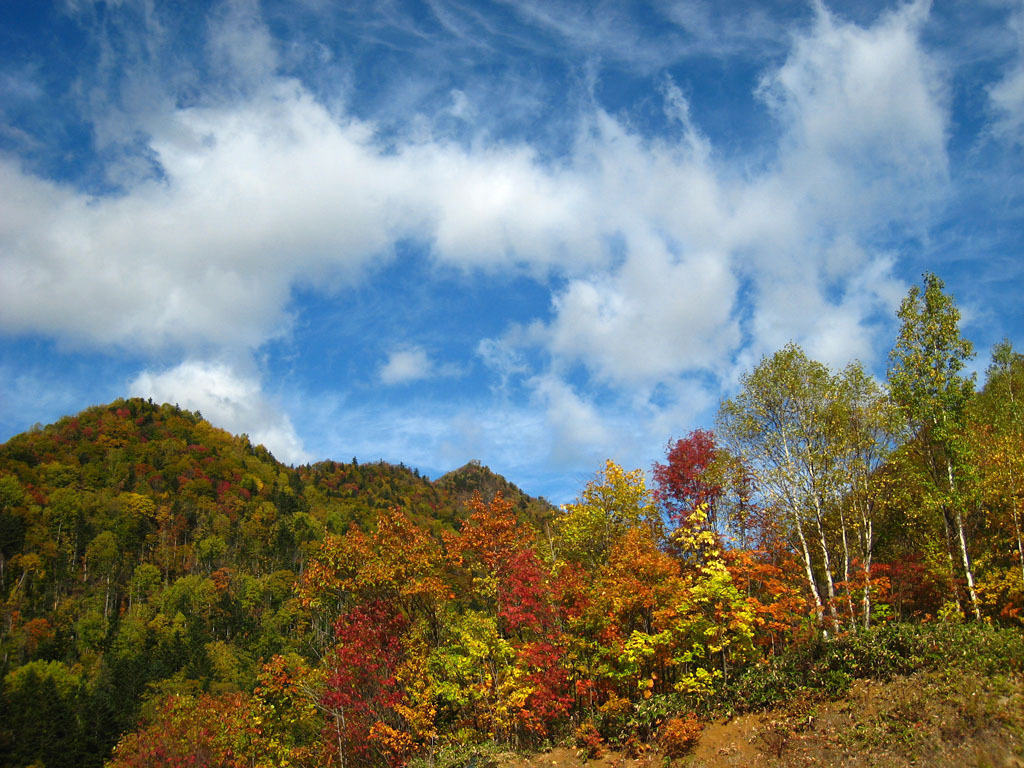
[537,234]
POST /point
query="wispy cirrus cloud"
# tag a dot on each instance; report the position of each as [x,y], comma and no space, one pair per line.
[1006,96]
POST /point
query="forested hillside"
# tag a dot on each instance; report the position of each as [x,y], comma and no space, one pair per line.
[175,590]
[143,552]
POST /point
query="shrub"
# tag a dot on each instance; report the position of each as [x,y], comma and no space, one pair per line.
[680,735]
[828,666]
[457,755]
[588,739]
[649,714]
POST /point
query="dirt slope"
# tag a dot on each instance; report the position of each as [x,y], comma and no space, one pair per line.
[946,720]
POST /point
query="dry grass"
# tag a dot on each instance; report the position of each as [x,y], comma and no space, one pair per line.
[948,719]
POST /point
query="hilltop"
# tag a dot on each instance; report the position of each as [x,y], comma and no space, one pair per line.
[475,478]
[143,551]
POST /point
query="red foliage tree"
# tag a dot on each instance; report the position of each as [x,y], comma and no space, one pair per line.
[362,690]
[525,604]
[683,483]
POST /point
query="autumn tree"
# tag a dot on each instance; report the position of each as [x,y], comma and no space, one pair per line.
[611,504]
[812,440]
[869,434]
[685,483]
[363,692]
[524,648]
[997,437]
[932,397]
[778,425]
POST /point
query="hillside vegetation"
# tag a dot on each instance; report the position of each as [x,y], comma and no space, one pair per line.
[173,590]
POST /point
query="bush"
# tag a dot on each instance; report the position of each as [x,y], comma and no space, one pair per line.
[827,667]
[649,714]
[680,735]
[588,739]
[486,755]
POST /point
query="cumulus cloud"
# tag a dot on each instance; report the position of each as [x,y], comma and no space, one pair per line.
[227,399]
[865,112]
[866,116]
[257,197]
[578,429]
[272,190]
[652,318]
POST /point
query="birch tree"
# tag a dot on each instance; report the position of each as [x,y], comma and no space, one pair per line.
[782,424]
[932,396]
[868,445]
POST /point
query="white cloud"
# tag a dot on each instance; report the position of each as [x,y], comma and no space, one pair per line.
[668,261]
[1007,95]
[866,119]
[240,44]
[227,399]
[1008,99]
[405,365]
[411,363]
[260,195]
[272,189]
[578,434]
[863,148]
[865,112]
[651,319]
[503,358]
[864,115]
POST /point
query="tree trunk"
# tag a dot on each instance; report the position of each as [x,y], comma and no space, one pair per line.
[338,727]
[962,537]
[823,545]
[808,565]
[809,571]
[846,570]
[866,549]
[952,561]
[1020,545]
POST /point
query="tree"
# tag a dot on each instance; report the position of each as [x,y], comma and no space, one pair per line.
[522,657]
[611,504]
[794,426]
[102,556]
[869,443]
[684,482]
[932,397]
[997,437]
[363,692]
